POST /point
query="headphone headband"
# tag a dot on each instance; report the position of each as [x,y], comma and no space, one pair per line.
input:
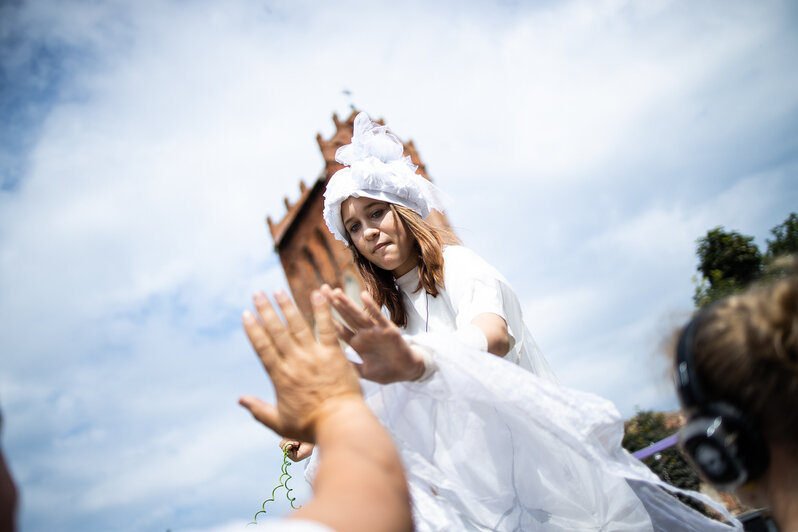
[688,386]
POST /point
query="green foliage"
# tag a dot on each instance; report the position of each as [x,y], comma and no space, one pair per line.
[649,427]
[786,238]
[715,287]
[729,261]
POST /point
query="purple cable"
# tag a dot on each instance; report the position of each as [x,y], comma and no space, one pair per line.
[656,447]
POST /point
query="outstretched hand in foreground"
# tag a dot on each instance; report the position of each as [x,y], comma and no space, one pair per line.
[360,485]
[386,356]
[309,377]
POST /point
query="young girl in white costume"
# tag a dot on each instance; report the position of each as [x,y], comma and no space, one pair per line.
[485,445]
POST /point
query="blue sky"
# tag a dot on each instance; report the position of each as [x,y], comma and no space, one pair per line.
[586,145]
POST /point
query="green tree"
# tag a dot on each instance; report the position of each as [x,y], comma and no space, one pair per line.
[648,427]
[785,239]
[728,261]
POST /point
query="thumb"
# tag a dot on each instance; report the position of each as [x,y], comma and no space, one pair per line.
[263,412]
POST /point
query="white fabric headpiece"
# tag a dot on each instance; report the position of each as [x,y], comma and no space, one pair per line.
[376,169]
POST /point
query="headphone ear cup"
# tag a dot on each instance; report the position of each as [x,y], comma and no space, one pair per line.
[751,448]
[710,456]
[723,446]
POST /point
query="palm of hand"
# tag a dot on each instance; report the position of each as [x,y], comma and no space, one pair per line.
[309,375]
[386,356]
[306,383]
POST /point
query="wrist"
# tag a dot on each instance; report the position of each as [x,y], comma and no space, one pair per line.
[425,365]
[333,410]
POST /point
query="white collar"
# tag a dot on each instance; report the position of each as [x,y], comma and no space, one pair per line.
[409,281]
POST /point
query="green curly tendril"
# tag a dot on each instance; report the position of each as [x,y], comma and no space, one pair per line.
[284,478]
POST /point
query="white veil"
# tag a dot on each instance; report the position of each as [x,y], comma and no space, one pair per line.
[488,447]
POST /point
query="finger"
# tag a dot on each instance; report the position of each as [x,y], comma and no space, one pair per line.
[277,331]
[304,451]
[263,412]
[373,310]
[289,446]
[349,311]
[260,340]
[296,323]
[324,320]
[293,454]
[326,290]
[343,332]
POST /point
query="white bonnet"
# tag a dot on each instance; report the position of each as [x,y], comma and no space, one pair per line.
[375,168]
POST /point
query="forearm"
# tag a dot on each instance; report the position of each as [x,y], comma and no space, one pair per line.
[360,484]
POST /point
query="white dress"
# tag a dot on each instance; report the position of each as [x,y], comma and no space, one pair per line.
[487,446]
[472,287]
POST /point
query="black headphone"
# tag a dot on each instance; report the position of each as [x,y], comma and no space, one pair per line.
[722,443]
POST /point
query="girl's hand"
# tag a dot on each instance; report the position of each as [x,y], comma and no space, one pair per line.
[386,356]
[296,450]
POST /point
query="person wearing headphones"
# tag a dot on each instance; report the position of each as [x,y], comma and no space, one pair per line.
[736,373]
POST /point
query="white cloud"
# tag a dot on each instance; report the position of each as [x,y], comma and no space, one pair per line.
[586,144]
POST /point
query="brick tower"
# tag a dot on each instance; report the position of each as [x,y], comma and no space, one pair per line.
[310,255]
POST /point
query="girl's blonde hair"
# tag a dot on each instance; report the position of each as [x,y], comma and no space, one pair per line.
[746,353]
[428,244]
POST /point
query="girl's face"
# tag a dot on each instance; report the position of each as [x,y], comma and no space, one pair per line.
[379,235]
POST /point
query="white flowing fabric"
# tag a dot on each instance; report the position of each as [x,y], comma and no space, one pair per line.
[487,446]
